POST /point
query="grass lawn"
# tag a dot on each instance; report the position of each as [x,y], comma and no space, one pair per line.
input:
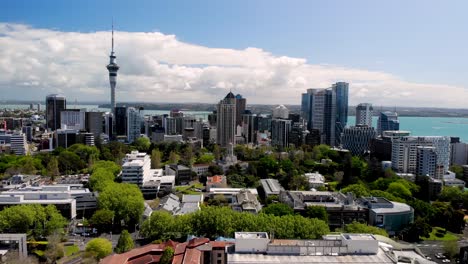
[189,189]
[448,236]
[70,250]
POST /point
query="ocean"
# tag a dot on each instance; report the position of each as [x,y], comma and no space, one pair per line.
[418,126]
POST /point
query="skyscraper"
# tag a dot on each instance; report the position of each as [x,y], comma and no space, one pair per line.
[364,114]
[280,129]
[54,105]
[112,67]
[120,120]
[387,121]
[226,121]
[327,111]
[134,121]
[341,90]
[240,108]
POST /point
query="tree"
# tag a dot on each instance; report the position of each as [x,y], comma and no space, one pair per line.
[52,168]
[156,159]
[399,190]
[100,178]
[458,170]
[108,165]
[215,170]
[167,255]
[125,242]
[319,212]
[205,159]
[158,226]
[356,227]
[173,158]
[358,189]
[99,247]
[70,162]
[278,209]
[217,152]
[142,144]
[188,155]
[125,200]
[414,232]
[102,219]
[55,249]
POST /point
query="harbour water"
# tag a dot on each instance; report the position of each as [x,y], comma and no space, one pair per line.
[418,126]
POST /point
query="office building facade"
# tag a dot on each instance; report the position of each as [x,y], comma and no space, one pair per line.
[280,130]
[54,105]
[387,121]
[364,113]
[226,121]
[357,139]
[134,121]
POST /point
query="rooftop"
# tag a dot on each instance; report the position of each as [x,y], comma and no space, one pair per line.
[250,235]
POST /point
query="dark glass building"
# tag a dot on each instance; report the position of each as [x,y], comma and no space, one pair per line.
[54,105]
[120,117]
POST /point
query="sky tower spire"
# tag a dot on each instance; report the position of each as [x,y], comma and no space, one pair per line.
[113,68]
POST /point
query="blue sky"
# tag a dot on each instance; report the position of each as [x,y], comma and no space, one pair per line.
[418,41]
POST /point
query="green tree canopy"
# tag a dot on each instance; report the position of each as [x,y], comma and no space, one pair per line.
[319,212]
[125,242]
[99,247]
[167,255]
[142,144]
[398,189]
[358,189]
[125,200]
[102,219]
[356,227]
[100,178]
[155,159]
[205,158]
[108,165]
[278,209]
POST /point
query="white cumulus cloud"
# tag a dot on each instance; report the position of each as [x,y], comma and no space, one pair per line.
[159,68]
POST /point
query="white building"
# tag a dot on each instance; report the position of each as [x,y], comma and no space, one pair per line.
[70,119]
[315,179]
[157,182]
[459,153]
[404,153]
[280,112]
[18,144]
[136,168]
[364,113]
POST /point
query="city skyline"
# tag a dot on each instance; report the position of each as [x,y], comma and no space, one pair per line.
[40,58]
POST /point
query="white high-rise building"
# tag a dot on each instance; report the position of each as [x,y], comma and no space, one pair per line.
[19,146]
[134,121]
[280,112]
[364,113]
[226,121]
[280,129]
[405,153]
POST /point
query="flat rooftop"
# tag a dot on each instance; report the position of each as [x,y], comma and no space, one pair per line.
[359,237]
[250,235]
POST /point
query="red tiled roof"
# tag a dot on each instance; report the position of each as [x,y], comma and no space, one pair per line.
[218,244]
[151,249]
[197,242]
[180,248]
[178,259]
[192,256]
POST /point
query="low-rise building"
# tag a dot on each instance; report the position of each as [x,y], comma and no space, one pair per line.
[217,181]
[172,204]
[200,169]
[183,174]
[246,202]
[271,187]
[341,208]
[157,184]
[454,183]
[391,216]
[316,180]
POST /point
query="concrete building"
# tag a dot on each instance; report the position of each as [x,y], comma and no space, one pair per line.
[157,184]
[341,209]
[271,187]
[54,105]
[404,153]
[18,144]
[72,119]
[136,168]
[358,139]
[426,163]
[134,121]
[280,129]
[95,122]
[200,169]
[226,121]
[381,147]
[60,196]
[364,114]
[387,121]
[458,153]
[183,174]
[391,216]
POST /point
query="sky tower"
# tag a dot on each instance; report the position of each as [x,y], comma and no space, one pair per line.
[112,68]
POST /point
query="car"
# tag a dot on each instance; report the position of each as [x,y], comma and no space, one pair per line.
[440,255]
[428,258]
[446,261]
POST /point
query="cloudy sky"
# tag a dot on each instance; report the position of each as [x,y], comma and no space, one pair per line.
[269,51]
